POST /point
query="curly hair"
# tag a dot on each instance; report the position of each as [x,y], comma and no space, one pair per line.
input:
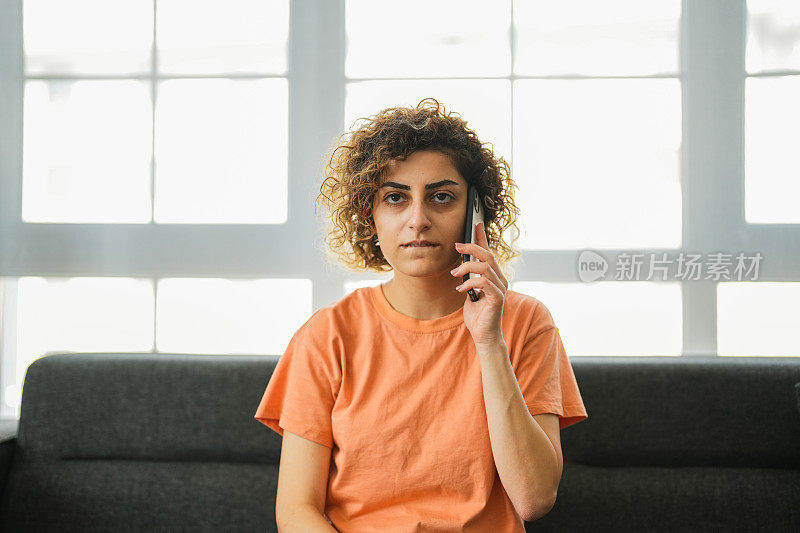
[359,158]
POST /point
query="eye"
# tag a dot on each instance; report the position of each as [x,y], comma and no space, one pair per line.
[390,195]
[449,198]
[446,195]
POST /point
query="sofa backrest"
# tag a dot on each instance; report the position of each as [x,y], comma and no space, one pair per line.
[687,411]
[147,406]
[143,442]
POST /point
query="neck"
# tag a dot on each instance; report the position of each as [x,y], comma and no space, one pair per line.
[424,298]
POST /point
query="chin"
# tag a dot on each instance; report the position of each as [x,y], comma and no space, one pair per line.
[422,269]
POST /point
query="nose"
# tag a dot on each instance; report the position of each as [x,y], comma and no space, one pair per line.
[418,217]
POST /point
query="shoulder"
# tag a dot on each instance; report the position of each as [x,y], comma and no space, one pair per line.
[334,318]
[531,311]
[325,336]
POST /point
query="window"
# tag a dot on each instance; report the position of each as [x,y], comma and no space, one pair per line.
[153,115]
[772,112]
[174,151]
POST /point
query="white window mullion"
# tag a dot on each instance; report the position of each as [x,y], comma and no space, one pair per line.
[11,96]
[153,96]
[316,113]
[712,69]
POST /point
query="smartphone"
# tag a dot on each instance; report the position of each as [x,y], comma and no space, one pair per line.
[474,217]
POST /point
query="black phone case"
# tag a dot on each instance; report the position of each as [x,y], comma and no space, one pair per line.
[474,217]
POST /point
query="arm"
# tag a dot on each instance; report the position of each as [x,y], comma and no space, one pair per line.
[302,485]
[304,518]
[526,449]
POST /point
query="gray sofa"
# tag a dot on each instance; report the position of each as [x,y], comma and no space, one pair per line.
[146,442]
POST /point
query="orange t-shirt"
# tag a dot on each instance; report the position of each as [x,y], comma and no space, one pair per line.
[400,402]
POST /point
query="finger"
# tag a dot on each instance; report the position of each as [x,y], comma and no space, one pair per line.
[481,252]
[483,240]
[482,268]
[483,283]
[480,236]
[475,251]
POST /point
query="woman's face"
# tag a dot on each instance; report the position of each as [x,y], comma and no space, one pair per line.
[405,210]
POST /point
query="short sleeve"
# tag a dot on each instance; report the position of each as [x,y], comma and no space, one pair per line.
[303,387]
[545,376]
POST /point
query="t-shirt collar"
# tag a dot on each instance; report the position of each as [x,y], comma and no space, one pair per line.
[394,316]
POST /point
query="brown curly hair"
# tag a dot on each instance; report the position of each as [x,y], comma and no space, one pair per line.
[359,158]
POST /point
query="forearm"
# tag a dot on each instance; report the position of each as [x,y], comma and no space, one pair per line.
[525,458]
[304,518]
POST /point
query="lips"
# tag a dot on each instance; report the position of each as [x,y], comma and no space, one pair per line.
[419,245]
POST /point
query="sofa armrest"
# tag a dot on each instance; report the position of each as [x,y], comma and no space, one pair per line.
[8,444]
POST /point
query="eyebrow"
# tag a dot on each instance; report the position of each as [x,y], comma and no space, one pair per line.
[433,185]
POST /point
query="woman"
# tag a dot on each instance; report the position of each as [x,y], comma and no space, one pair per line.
[407,406]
